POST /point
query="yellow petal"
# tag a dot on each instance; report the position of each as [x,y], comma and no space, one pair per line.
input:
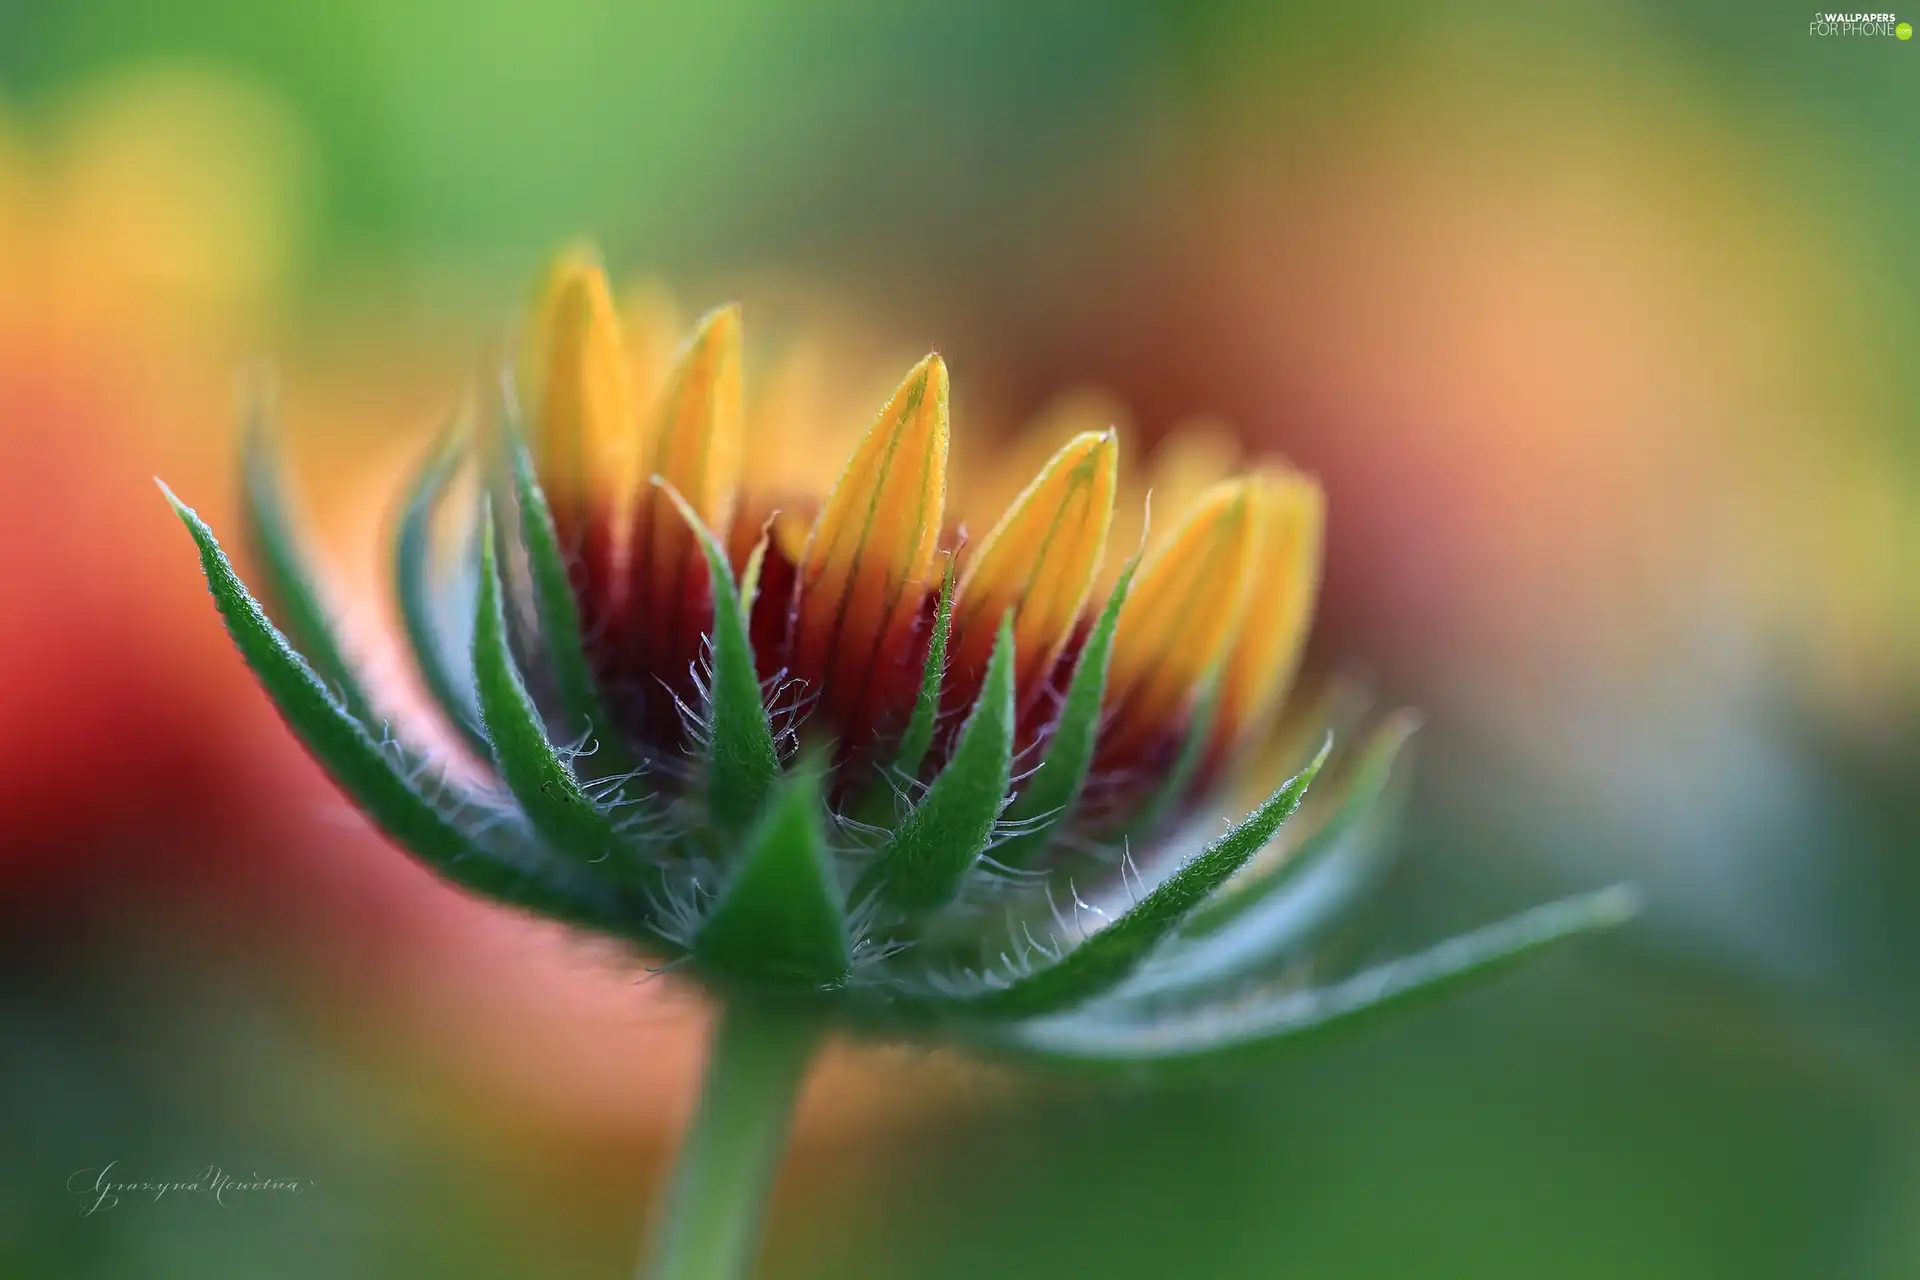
[575,384]
[1039,561]
[654,325]
[1182,612]
[989,480]
[694,446]
[790,535]
[870,555]
[695,441]
[1193,457]
[1286,573]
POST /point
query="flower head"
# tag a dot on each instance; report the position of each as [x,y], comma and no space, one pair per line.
[834,751]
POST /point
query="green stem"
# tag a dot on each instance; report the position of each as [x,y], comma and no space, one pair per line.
[754,1068]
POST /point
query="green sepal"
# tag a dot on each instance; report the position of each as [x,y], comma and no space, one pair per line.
[1052,796]
[559,616]
[879,808]
[750,574]
[566,817]
[1264,942]
[289,591]
[1213,1034]
[781,918]
[931,852]
[363,769]
[414,587]
[926,706]
[742,762]
[1109,955]
[1371,773]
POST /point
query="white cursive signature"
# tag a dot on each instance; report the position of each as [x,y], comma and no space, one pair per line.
[99,1189]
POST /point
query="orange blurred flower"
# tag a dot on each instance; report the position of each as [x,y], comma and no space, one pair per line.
[142,225]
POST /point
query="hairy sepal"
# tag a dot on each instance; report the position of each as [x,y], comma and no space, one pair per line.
[369,774]
[1196,1036]
[1106,957]
[562,644]
[938,844]
[1371,773]
[1051,798]
[444,665]
[742,761]
[569,819]
[291,597]
[780,919]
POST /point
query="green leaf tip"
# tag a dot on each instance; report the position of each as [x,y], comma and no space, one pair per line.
[743,763]
[756,561]
[880,808]
[1365,787]
[414,587]
[291,598]
[1052,796]
[934,848]
[363,768]
[543,784]
[559,615]
[1112,953]
[1224,1031]
[781,918]
[926,706]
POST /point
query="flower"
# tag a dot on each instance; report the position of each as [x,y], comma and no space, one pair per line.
[831,753]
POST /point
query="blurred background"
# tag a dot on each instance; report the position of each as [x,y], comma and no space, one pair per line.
[1596,319]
